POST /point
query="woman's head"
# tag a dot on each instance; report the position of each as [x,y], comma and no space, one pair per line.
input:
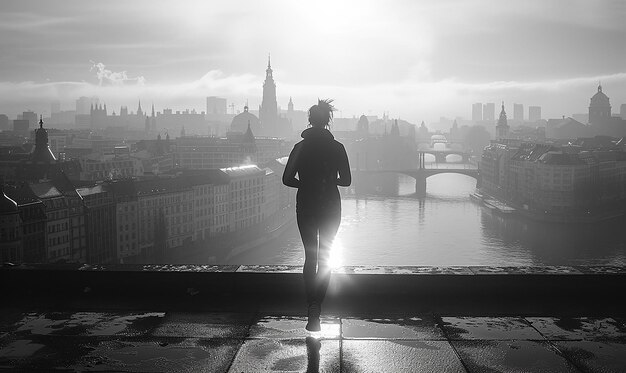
[321,115]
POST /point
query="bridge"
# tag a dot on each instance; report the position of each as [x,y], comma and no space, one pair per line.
[423,172]
[441,154]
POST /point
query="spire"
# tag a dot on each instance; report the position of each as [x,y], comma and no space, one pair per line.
[153,110]
[599,86]
[139,111]
[40,121]
[269,65]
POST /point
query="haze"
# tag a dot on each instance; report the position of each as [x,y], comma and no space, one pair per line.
[415,60]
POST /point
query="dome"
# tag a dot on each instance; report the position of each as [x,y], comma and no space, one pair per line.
[241,120]
[7,205]
[600,99]
[42,152]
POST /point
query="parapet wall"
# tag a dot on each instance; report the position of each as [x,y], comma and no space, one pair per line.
[403,285]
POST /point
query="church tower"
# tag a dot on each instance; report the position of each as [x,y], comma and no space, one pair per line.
[599,108]
[502,128]
[268,113]
[42,152]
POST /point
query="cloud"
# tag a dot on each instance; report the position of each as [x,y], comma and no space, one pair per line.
[108,77]
[412,99]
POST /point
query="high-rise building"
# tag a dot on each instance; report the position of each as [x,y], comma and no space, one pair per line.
[477,112]
[31,117]
[489,111]
[83,105]
[55,107]
[215,105]
[4,122]
[622,111]
[534,113]
[518,112]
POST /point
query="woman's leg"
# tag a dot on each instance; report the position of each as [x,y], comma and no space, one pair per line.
[307,224]
[328,229]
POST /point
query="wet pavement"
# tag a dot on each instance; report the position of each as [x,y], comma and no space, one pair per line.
[216,341]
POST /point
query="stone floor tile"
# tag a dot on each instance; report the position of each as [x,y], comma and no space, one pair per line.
[299,355]
[204,325]
[578,328]
[399,356]
[285,327]
[160,355]
[489,328]
[511,356]
[88,323]
[596,356]
[418,328]
[43,352]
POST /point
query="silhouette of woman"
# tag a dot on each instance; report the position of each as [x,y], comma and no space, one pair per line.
[321,164]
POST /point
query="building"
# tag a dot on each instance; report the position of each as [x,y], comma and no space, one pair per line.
[32,223]
[204,152]
[599,108]
[534,113]
[489,112]
[622,112]
[215,105]
[31,117]
[100,224]
[165,215]
[10,232]
[58,243]
[502,128]
[246,196]
[580,178]
[126,220]
[4,122]
[242,121]
[477,112]
[518,112]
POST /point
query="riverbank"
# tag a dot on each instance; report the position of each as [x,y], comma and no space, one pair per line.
[501,208]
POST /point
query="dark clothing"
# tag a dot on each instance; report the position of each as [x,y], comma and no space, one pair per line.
[321,164]
[317,160]
[316,261]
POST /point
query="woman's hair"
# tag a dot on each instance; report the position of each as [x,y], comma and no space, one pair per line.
[321,115]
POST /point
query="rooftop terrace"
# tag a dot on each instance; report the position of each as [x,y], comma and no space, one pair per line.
[251,319]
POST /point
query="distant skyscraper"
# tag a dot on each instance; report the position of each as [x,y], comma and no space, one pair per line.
[622,111]
[83,105]
[477,112]
[31,117]
[518,112]
[290,105]
[215,105]
[55,107]
[534,113]
[489,111]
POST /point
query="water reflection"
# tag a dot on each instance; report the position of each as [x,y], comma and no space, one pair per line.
[393,227]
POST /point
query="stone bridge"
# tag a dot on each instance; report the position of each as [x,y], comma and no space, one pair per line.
[421,174]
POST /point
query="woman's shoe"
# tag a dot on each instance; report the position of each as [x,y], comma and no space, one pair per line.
[313,325]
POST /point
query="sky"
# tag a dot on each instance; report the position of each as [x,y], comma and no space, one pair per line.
[415,60]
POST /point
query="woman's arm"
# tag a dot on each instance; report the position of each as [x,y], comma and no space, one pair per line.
[345,177]
[289,175]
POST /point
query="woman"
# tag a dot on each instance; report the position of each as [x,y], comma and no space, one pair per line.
[321,164]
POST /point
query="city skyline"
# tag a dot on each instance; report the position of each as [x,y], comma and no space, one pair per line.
[415,61]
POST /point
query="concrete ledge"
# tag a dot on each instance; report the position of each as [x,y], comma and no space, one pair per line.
[493,284]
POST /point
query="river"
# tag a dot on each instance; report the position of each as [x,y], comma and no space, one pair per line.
[447,228]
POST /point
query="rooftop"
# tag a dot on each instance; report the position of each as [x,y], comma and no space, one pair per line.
[251,319]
